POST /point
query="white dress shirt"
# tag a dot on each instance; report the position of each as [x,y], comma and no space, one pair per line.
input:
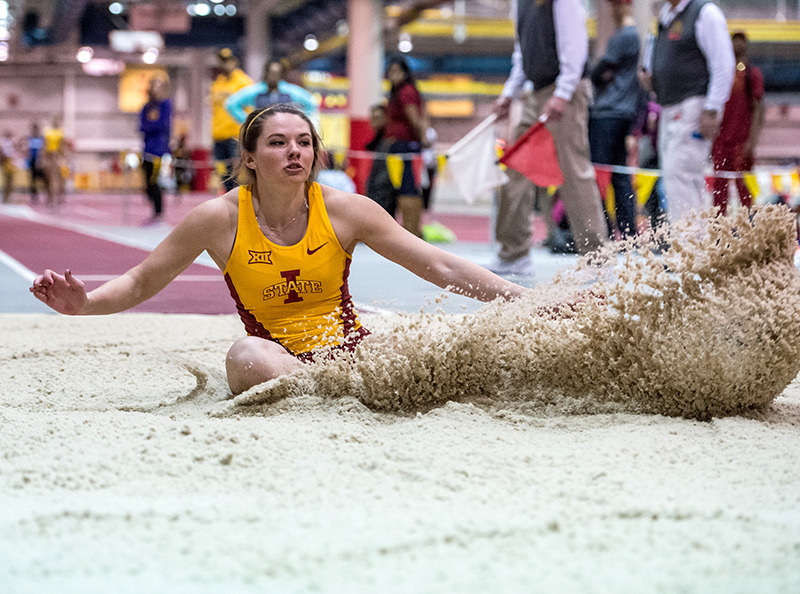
[572,46]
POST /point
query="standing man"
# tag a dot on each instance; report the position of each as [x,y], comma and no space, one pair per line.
[551,51]
[155,121]
[617,98]
[224,129]
[734,148]
[692,73]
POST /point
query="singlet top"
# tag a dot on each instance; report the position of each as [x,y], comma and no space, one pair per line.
[295,295]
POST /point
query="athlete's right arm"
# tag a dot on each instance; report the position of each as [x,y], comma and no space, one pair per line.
[202,229]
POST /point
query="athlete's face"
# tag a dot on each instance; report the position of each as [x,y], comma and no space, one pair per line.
[284,150]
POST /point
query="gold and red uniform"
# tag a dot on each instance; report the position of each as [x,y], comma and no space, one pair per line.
[294,295]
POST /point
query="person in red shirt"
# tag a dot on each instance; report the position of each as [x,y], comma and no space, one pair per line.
[734,148]
[405,134]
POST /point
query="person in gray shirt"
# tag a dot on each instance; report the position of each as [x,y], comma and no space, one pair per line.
[617,97]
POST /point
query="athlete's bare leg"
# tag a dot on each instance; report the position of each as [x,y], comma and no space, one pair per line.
[252,360]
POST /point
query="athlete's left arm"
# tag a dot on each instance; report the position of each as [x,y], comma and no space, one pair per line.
[356,218]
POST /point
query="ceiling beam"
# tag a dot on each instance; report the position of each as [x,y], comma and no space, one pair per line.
[392,26]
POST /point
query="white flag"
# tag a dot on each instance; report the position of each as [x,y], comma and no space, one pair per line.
[472,162]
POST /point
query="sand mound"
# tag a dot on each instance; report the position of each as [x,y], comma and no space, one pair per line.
[709,328]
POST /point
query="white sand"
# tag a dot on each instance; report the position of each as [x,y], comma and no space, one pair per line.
[124,466]
[114,477]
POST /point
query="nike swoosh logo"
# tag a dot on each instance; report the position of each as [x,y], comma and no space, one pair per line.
[316,249]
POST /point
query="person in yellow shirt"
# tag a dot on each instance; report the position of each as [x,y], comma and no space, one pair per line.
[224,129]
[8,156]
[55,163]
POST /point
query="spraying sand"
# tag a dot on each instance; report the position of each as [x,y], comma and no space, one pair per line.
[454,456]
[710,328]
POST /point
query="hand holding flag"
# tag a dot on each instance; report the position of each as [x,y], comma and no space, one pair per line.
[534,156]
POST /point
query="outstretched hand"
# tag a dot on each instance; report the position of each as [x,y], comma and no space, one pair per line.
[65,294]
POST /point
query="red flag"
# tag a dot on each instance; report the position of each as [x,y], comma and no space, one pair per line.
[534,156]
[603,177]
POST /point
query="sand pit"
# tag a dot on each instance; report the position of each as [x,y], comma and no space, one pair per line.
[126,468]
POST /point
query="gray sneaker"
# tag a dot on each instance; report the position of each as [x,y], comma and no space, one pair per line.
[519,267]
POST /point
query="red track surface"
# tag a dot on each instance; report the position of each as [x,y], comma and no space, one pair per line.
[44,243]
[38,246]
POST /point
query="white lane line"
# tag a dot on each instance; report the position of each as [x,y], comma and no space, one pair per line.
[363,308]
[27,213]
[90,212]
[15,266]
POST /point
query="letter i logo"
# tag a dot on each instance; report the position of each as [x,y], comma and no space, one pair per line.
[291,285]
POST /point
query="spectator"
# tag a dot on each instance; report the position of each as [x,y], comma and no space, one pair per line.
[272,89]
[645,134]
[8,154]
[692,72]
[224,129]
[551,51]
[429,161]
[405,133]
[379,186]
[734,148]
[617,93]
[54,163]
[155,120]
[182,165]
[34,161]
[333,175]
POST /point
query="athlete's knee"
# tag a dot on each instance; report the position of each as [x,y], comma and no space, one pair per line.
[252,360]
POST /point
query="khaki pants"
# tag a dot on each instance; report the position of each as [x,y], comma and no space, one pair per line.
[683,158]
[580,194]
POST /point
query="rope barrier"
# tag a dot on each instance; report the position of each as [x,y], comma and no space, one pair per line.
[379,155]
